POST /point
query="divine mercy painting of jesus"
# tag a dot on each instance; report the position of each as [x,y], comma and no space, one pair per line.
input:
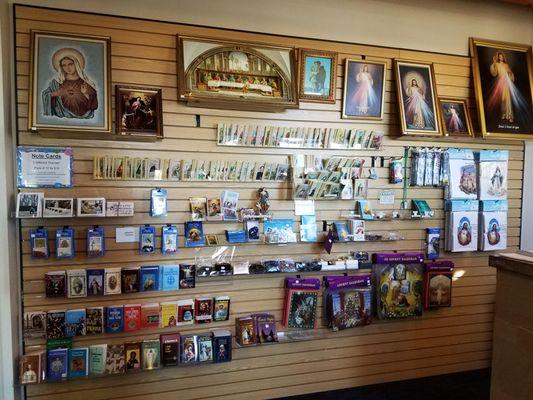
[503,78]
[70,83]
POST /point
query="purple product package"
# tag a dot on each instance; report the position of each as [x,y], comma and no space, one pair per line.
[412,257]
[348,282]
[446,266]
[303,283]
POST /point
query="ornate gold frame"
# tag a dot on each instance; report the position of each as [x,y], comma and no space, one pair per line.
[346,62]
[474,43]
[32,80]
[330,99]
[455,100]
[433,86]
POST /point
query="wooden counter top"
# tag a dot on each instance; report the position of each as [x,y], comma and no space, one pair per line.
[520,263]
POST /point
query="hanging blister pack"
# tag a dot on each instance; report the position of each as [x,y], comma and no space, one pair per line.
[169,239]
[146,239]
[158,202]
[95,242]
[65,243]
[39,243]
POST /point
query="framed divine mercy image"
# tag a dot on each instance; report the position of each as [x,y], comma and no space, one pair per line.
[417,103]
[70,82]
[503,82]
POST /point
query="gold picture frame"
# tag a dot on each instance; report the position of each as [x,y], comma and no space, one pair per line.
[505,110]
[319,87]
[424,121]
[89,59]
[452,120]
[379,77]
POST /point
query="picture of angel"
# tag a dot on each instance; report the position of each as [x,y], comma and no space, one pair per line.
[464,232]
[504,88]
[70,82]
[455,119]
[364,86]
[416,98]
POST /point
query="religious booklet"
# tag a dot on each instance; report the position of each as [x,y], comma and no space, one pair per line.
[493,165]
[133,357]
[55,283]
[265,328]
[432,243]
[76,283]
[130,279]
[205,348]
[149,279]
[221,308]
[95,282]
[115,359]
[170,349]
[358,230]
[97,359]
[169,277]
[35,325]
[438,290]
[94,323]
[78,362]
[169,312]
[57,364]
[194,234]
[112,281]
[188,349]
[187,275]
[204,309]
[185,312]
[221,346]
[32,368]
[75,322]
[132,317]
[55,324]
[301,303]
[150,315]
[151,354]
[493,225]
[114,321]
[245,331]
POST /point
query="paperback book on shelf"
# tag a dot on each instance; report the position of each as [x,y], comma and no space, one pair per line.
[97,359]
[170,349]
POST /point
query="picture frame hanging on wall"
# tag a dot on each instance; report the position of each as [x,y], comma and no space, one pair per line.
[454,117]
[70,82]
[318,76]
[364,89]
[503,83]
[417,100]
[236,75]
[138,112]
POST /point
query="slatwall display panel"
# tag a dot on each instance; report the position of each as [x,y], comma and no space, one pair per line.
[144,53]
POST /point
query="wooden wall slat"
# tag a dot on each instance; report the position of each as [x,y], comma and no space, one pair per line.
[442,341]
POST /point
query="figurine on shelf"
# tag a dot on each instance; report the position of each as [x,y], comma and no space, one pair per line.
[263,204]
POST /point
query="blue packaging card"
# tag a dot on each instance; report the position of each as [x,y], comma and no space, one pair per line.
[494,205]
[95,242]
[169,277]
[39,243]
[493,155]
[461,154]
[158,202]
[236,236]
[75,322]
[194,234]
[146,239]
[149,279]
[462,205]
[57,364]
[65,243]
[169,239]
[114,321]
[78,359]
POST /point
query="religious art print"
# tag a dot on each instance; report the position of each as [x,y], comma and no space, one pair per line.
[364,89]
[415,85]
[224,74]
[69,82]
[318,75]
[139,111]
[455,118]
[503,81]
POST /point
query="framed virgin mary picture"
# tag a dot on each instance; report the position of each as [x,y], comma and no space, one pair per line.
[454,117]
[417,104]
[139,112]
[318,76]
[70,82]
[364,89]
[503,82]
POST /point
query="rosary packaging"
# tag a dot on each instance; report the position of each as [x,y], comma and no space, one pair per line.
[147,239]
[39,243]
[158,203]
[169,239]
[65,243]
[399,281]
[95,242]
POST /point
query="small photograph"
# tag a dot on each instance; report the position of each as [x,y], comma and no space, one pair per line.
[58,208]
[139,111]
[92,207]
[29,205]
[454,117]
[212,240]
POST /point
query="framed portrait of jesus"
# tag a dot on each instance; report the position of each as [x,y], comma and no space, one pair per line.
[503,81]
[70,82]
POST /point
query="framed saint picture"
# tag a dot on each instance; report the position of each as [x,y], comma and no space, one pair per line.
[503,81]
[139,111]
[70,82]
[318,75]
[454,117]
[364,88]
[415,86]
